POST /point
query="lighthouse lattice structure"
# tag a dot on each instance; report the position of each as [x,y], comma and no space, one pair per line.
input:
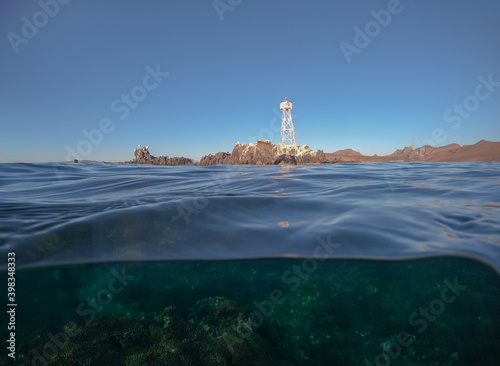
[287,141]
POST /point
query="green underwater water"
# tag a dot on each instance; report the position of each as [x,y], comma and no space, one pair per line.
[290,311]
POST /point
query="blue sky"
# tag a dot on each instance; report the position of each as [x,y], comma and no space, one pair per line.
[373,76]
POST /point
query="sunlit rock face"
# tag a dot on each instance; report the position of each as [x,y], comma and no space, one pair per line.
[264,152]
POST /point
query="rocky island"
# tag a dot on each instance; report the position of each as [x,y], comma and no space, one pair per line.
[264,152]
[142,156]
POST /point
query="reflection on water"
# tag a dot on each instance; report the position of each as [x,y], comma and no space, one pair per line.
[96,213]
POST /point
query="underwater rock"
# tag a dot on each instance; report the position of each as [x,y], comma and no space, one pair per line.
[216,332]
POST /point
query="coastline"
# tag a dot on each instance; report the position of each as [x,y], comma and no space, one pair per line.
[264,152]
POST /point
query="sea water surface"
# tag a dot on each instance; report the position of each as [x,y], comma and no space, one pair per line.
[254,265]
[77,213]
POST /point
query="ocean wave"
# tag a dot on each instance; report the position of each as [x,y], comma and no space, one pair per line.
[81,213]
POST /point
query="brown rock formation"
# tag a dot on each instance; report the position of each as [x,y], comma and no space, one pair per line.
[482,151]
[263,152]
[142,156]
[219,158]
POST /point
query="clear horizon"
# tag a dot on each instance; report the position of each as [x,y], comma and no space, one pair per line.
[92,80]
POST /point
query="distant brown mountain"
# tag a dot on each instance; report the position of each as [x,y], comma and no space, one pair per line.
[482,151]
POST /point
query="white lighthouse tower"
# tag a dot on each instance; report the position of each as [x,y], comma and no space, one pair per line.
[287,143]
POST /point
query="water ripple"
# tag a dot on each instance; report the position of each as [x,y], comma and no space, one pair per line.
[72,213]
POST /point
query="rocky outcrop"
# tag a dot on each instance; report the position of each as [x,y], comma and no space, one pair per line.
[142,156]
[219,158]
[285,159]
[264,152]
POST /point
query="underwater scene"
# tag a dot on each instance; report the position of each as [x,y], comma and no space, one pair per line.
[437,311]
[348,264]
